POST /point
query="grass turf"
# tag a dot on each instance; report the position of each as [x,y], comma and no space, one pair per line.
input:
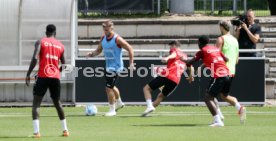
[167,123]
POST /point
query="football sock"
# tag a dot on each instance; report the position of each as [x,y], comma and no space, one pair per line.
[219,112]
[64,125]
[149,103]
[217,118]
[119,100]
[36,125]
[112,107]
[238,106]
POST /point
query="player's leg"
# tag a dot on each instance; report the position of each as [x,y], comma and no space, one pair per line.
[214,88]
[218,109]
[233,100]
[111,79]
[153,85]
[158,99]
[55,95]
[147,94]
[119,103]
[35,114]
[39,91]
[111,101]
[209,100]
[167,90]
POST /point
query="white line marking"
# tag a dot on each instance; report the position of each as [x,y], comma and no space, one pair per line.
[138,114]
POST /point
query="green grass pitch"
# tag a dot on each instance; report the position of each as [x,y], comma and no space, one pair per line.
[167,123]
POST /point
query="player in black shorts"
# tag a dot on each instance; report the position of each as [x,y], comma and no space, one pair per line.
[112,45]
[50,52]
[220,82]
[168,78]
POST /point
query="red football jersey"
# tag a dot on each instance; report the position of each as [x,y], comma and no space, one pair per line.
[175,67]
[49,57]
[213,59]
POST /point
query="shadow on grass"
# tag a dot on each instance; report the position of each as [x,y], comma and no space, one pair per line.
[170,125]
[25,137]
[132,116]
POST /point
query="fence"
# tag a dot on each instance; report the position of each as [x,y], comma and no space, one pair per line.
[231,7]
[209,7]
[111,6]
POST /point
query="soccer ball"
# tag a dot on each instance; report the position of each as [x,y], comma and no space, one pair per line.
[91,110]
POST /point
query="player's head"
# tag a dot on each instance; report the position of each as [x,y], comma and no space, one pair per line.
[250,16]
[174,44]
[108,27]
[203,41]
[225,26]
[51,30]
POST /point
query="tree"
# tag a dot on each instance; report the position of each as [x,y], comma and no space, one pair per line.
[272,6]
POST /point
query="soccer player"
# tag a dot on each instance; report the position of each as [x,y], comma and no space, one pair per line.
[112,44]
[49,51]
[220,81]
[229,46]
[168,78]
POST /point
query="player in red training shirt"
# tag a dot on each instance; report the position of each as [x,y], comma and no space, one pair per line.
[220,82]
[49,52]
[168,78]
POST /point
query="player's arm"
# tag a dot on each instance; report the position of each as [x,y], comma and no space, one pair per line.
[125,45]
[237,60]
[62,60]
[96,52]
[188,61]
[191,61]
[171,56]
[191,73]
[226,59]
[219,43]
[33,62]
[253,37]
[196,58]
[237,51]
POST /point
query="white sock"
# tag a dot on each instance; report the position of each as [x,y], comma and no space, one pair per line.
[219,112]
[64,125]
[36,125]
[112,107]
[217,118]
[149,103]
[119,100]
[238,106]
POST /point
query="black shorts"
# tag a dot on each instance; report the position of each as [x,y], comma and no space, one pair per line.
[169,85]
[42,84]
[111,79]
[219,85]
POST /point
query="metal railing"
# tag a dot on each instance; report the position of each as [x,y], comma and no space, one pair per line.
[111,6]
[162,52]
[231,7]
[209,7]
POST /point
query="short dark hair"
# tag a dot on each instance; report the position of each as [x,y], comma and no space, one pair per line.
[50,29]
[175,42]
[203,41]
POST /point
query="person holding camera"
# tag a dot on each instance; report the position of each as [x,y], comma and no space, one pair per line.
[248,34]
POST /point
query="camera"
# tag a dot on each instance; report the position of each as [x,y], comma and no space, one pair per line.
[239,20]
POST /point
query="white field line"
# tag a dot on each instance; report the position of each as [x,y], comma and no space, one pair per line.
[138,114]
